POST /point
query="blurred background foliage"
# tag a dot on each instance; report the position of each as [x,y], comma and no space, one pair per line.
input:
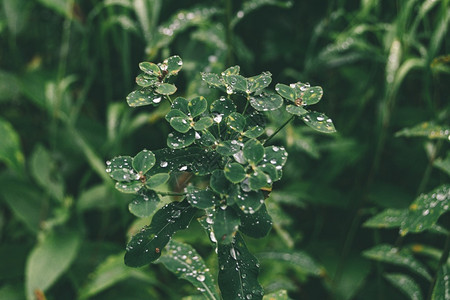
[66,67]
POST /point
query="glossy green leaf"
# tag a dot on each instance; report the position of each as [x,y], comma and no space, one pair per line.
[201,198]
[51,257]
[150,68]
[235,83]
[145,80]
[248,201]
[176,140]
[129,187]
[256,225]
[278,295]
[259,82]
[425,211]
[228,148]
[389,218]
[271,171]
[219,182]
[236,121]
[276,156]
[197,106]
[286,91]
[312,95]
[176,113]
[166,89]
[10,150]
[426,129]
[258,179]
[296,110]
[238,271]
[319,122]
[120,169]
[144,204]
[186,263]
[225,224]
[253,151]
[157,180]
[144,161]
[223,106]
[234,172]
[266,102]
[405,284]
[205,138]
[145,96]
[441,289]
[181,104]
[180,124]
[212,79]
[146,246]
[255,124]
[392,255]
[203,123]
[174,64]
[299,259]
[234,70]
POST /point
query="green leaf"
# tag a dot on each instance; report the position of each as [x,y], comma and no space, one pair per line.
[312,95]
[186,263]
[441,289]
[236,121]
[200,198]
[255,125]
[51,257]
[278,295]
[271,171]
[225,224]
[389,218]
[219,183]
[405,284]
[286,91]
[120,169]
[213,80]
[275,156]
[10,150]
[143,97]
[205,138]
[248,201]
[157,180]
[146,246]
[296,110]
[426,129]
[144,161]
[228,148]
[223,106]
[144,204]
[150,68]
[266,102]
[259,82]
[235,83]
[203,123]
[176,113]
[258,179]
[176,140]
[319,122]
[180,124]
[166,89]
[426,210]
[392,255]
[443,164]
[197,106]
[129,187]
[174,64]
[145,80]
[238,271]
[235,172]
[231,71]
[181,104]
[256,225]
[298,259]
[253,151]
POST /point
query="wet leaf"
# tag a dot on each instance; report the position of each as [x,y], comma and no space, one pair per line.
[235,172]
[203,123]
[426,210]
[129,187]
[235,83]
[426,129]
[201,198]
[181,104]
[298,259]
[166,89]
[120,168]
[157,180]
[259,82]
[256,225]
[392,255]
[266,102]
[186,263]
[312,95]
[146,246]
[405,284]
[276,156]
[258,179]
[145,96]
[253,151]
[236,121]
[278,295]
[177,140]
[143,161]
[223,106]
[205,138]
[174,64]
[145,80]
[286,91]
[319,122]
[219,182]
[180,124]
[226,223]
[238,271]
[144,204]
[213,80]
[228,148]
[255,124]
[441,289]
[389,218]
[248,201]
[150,69]
[296,110]
[197,106]
[231,71]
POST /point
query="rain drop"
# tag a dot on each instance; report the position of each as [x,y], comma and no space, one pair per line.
[201,277]
[163,164]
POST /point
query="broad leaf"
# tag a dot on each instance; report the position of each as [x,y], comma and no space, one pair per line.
[146,246]
[143,161]
[212,79]
[201,198]
[405,284]
[223,106]
[144,204]
[150,68]
[235,83]
[225,224]
[129,187]
[253,151]
[228,148]
[389,218]
[259,82]
[312,95]
[203,123]
[238,271]
[177,140]
[319,122]
[234,172]
[219,182]
[120,168]
[234,70]
[186,263]
[166,89]
[181,104]
[174,64]
[143,97]
[256,225]
[296,110]
[236,121]
[180,124]
[258,179]
[145,80]
[286,91]
[157,180]
[197,106]
[266,102]
[248,201]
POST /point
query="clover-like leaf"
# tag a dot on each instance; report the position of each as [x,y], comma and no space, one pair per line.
[181,104]
[225,224]
[253,151]
[235,172]
[157,180]
[197,106]
[258,179]
[121,169]
[255,124]
[203,123]
[238,271]
[143,161]
[235,83]
[286,91]
[204,138]
[319,122]
[249,202]
[146,246]
[275,156]
[256,225]
[259,82]
[144,204]
[213,80]
[223,106]
[296,110]
[236,121]
[271,171]
[228,148]
[131,187]
[174,64]
[145,80]
[201,198]
[266,102]
[177,140]
[219,182]
[143,97]
[312,95]
[231,71]
[150,69]
[166,89]
[180,124]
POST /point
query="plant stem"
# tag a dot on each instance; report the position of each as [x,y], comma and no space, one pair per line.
[170,194]
[229,31]
[170,99]
[442,261]
[278,130]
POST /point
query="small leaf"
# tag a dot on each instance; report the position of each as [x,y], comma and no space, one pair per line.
[10,150]
[238,271]
[405,284]
[197,106]
[176,140]
[389,254]
[259,82]
[235,172]
[286,91]
[219,183]
[146,246]
[275,156]
[150,68]
[200,198]
[129,187]
[145,80]
[235,83]
[255,124]
[143,161]
[441,289]
[175,113]
[426,210]
[231,71]
[180,124]
[143,97]
[157,180]
[203,123]
[205,138]
[166,89]
[426,129]
[236,121]
[319,122]
[174,64]
[184,261]
[296,110]
[249,202]
[256,225]
[389,218]
[271,171]
[258,179]
[226,223]
[181,104]
[120,168]
[278,295]
[253,151]
[144,204]
[312,95]
[223,106]
[228,148]
[266,102]
[213,80]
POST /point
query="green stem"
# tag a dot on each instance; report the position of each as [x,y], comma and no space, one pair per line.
[246,105]
[278,130]
[170,99]
[442,261]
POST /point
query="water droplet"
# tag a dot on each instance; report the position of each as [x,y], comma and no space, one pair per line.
[108,163]
[201,277]
[217,118]
[183,168]
[425,212]
[157,100]
[176,214]
[233,253]
[240,14]
[229,90]
[320,118]
[163,164]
